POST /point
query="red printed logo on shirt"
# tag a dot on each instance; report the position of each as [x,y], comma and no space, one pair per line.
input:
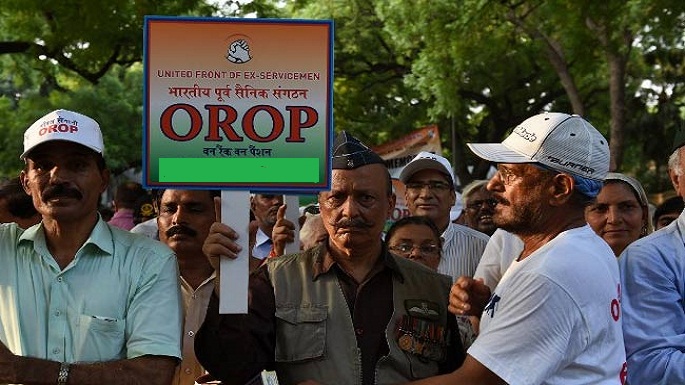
[616,305]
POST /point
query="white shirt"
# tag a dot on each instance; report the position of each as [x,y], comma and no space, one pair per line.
[262,245]
[501,250]
[461,250]
[554,318]
[148,228]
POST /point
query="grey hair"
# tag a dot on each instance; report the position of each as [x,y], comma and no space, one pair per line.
[471,188]
[674,162]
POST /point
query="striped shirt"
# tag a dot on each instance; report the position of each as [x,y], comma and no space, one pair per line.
[461,250]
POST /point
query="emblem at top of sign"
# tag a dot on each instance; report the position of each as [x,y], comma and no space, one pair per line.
[238,52]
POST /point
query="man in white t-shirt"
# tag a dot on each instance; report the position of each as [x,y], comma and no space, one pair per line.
[554,318]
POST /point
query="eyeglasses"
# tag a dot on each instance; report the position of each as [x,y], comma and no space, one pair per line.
[476,205]
[407,248]
[436,186]
[506,176]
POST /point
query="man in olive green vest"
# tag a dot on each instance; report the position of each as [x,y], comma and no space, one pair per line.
[344,312]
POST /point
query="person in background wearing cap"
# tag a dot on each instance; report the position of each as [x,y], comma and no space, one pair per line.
[652,276]
[82,301]
[16,206]
[555,316]
[667,212]
[344,312]
[478,207]
[429,192]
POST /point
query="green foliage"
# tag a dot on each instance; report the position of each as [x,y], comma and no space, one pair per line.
[85,56]
[371,98]
[480,66]
[115,103]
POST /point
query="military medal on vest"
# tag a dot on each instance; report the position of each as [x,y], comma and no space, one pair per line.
[419,331]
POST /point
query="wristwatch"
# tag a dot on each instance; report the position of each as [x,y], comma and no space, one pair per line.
[63,374]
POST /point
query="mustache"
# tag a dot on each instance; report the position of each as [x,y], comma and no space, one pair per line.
[180,229]
[61,190]
[352,223]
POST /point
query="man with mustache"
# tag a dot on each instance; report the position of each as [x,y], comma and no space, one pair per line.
[344,312]
[555,316]
[80,300]
[184,220]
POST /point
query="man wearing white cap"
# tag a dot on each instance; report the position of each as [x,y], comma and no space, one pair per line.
[555,316]
[80,300]
[430,192]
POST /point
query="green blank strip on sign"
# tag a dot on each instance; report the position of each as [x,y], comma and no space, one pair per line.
[239,170]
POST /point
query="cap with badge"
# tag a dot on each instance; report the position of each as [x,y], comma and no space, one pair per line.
[562,142]
[67,126]
[349,153]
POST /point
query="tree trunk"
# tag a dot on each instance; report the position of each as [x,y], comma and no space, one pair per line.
[617,93]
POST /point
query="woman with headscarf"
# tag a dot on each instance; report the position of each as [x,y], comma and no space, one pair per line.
[620,214]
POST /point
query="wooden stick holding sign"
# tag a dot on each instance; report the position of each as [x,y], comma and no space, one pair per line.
[235,212]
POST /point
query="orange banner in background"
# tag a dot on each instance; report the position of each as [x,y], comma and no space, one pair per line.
[401,151]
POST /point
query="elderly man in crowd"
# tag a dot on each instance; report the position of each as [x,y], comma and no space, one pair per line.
[264,208]
[478,207]
[652,276]
[184,220]
[344,312]
[429,191]
[82,301]
[555,316]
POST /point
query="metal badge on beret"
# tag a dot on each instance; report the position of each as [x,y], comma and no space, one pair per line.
[349,153]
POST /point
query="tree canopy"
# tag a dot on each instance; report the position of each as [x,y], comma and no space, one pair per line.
[474,67]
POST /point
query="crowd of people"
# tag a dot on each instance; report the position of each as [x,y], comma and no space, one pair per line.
[554,273]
